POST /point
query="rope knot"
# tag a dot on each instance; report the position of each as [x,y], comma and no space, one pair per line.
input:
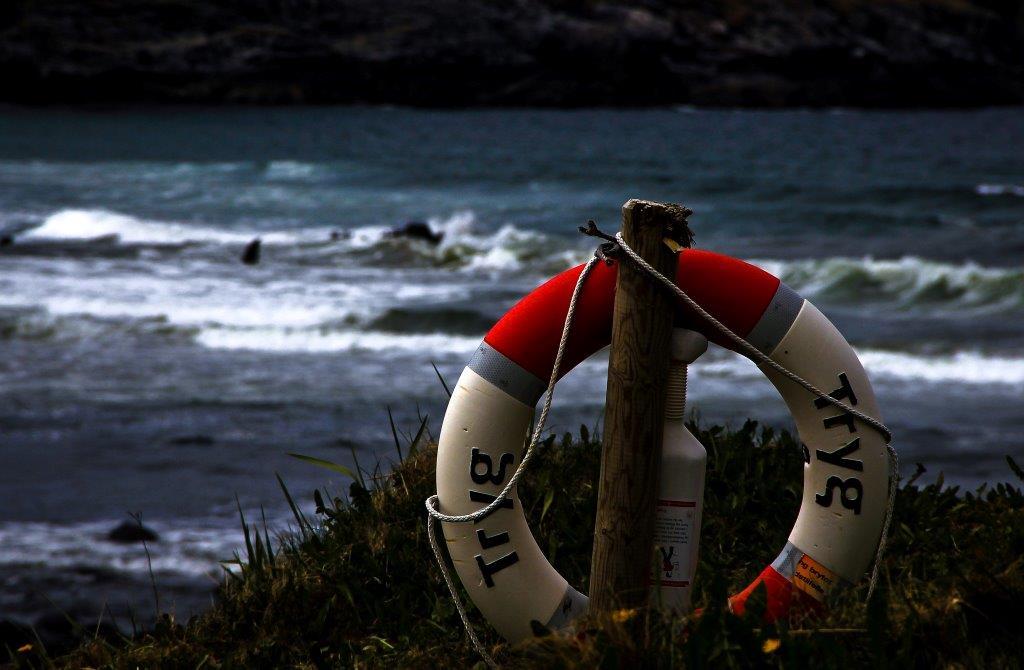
[607,251]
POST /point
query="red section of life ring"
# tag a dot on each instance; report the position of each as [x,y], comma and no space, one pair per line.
[735,292]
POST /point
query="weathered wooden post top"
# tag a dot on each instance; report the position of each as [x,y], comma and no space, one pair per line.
[634,416]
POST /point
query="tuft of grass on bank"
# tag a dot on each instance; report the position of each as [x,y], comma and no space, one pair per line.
[357,585]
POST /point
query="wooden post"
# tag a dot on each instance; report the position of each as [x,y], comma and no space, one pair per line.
[635,408]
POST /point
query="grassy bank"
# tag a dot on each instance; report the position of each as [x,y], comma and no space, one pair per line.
[357,585]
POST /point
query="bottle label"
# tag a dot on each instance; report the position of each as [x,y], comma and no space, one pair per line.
[673,535]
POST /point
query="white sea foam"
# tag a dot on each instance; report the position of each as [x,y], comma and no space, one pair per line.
[189,299]
[321,341]
[287,170]
[84,224]
[495,259]
[1000,189]
[962,367]
[75,224]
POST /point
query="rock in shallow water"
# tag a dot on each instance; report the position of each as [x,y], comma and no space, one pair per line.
[251,255]
[417,230]
[128,532]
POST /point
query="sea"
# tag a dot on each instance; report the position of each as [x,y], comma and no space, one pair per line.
[146,372]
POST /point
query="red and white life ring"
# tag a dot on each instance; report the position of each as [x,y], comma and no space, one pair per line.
[846,471]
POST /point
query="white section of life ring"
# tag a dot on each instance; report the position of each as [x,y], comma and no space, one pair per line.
[842,535]
[497,558]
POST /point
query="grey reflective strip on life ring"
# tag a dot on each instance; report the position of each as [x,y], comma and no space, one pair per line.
[507,375]
[786,562]
[777,319]
[572,605]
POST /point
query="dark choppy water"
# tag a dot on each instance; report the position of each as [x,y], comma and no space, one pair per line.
[145,370]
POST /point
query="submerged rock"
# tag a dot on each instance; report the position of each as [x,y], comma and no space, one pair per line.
[129,532]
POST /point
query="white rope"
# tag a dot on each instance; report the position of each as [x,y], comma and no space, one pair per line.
[432,502]
[434,514]
[756,354]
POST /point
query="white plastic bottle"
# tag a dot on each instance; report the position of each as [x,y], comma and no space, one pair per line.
[681,491]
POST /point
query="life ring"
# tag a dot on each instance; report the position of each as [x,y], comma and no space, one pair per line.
[846,471]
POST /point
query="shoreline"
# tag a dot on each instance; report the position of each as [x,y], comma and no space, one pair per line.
[539,52]
[130,105]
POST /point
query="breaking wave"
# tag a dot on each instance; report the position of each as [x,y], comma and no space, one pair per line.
[464,243]
[966,367]
[470,247]
[907,282]
[83,225]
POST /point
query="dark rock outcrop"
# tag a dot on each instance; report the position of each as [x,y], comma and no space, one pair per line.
[197,440]
[417,230]
[520,52]
[251,253]
[128,532]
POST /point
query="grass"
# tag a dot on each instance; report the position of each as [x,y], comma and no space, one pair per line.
[356,586]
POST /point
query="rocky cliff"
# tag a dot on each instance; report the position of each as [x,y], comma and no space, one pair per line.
[517,52]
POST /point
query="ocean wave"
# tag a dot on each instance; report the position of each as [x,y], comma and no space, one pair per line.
[229,328]
[288,340]
[964,367]
[286,170]
[885,367]
[449,320]
[196,550]
[66,299]
[84,225]
[1000,189]
[468,246]
[464,245]
[360,277]
[182,300]
[960,367]
[908,282]
[61,173]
